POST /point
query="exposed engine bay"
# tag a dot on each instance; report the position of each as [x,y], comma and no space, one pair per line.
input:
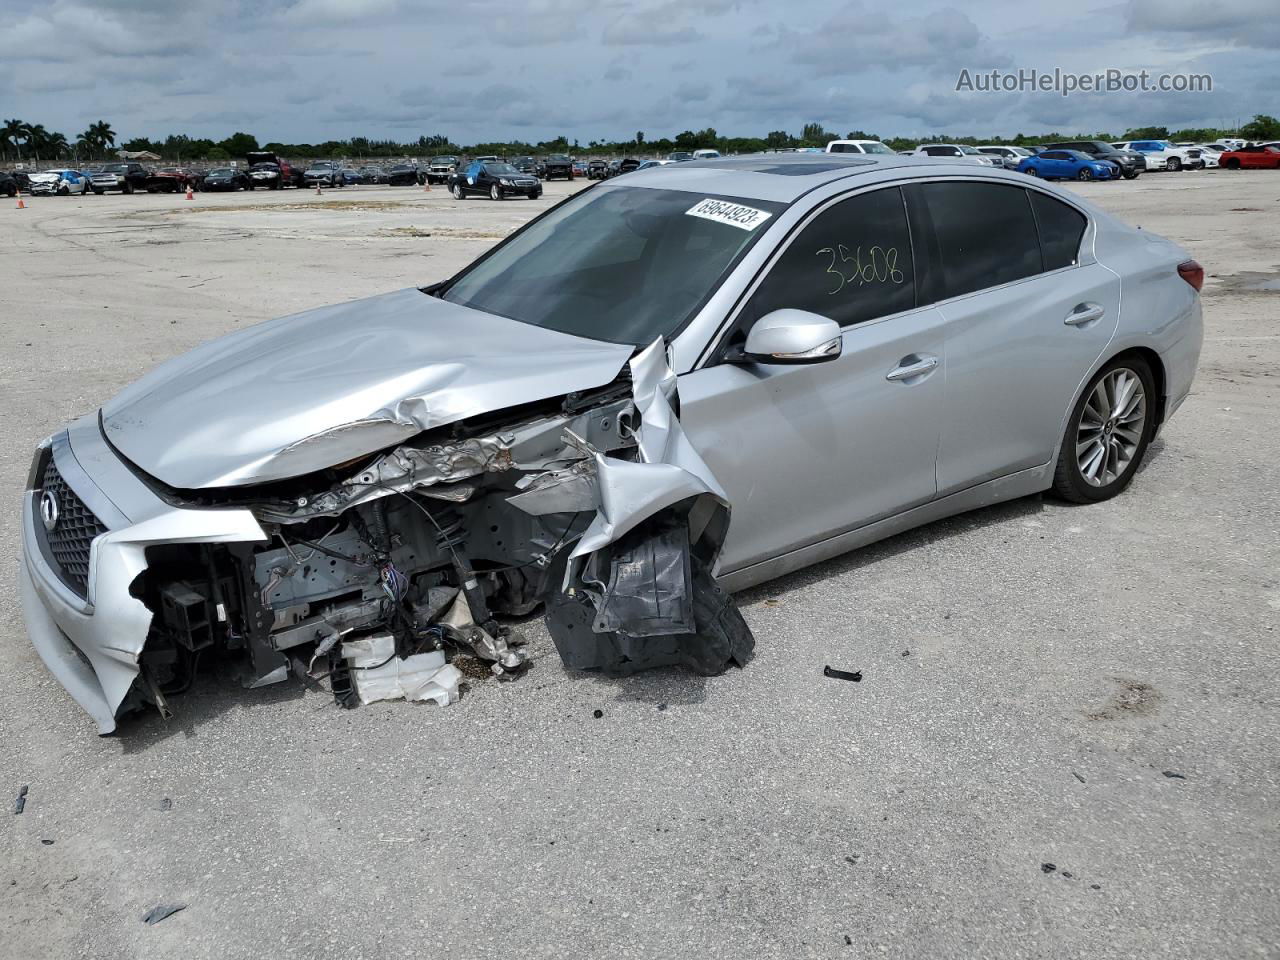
[377,573]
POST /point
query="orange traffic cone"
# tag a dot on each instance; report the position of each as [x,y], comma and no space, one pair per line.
[426,186]
[190,192]
[21,205]
[317,188]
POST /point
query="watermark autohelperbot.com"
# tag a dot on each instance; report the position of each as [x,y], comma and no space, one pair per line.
[1031,80]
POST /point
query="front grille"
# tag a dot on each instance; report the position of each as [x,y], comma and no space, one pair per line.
[73,534]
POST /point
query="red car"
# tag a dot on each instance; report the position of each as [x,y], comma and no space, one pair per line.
[1250,158]
[172,180]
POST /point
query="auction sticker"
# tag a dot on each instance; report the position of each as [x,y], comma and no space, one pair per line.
[734,214]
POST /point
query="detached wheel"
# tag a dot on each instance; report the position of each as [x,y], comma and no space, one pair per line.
[1107,434]
[495,192]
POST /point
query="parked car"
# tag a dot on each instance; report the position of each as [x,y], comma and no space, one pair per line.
[127,177]
[439,169]
[60,180]
[679,156]
[268,170]
[1250,158]
[557,165]
[650,164]
[706,153]
[618,166]
[495,179]
[597,169]
[373,174]
[955,151]
[352,177]
[1130,162]
[402,175]
[527,165]
[470,440]
[1009,157]
[324,173]
[226,178]
[1163,155]
[579,168]
[858,146]
[173,180]
[8,184]
[1068,165]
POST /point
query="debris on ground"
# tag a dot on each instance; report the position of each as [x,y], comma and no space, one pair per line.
[20,803]
[1173,776]
[162,912]
[1077,776]
[1048,867]
[854,676]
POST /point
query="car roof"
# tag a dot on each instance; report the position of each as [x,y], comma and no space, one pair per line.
[781,177]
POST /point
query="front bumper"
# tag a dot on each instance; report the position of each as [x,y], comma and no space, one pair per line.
[91,644]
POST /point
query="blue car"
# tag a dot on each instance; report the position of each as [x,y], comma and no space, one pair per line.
[1068,165]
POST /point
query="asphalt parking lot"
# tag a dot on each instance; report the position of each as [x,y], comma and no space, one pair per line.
[1066,742]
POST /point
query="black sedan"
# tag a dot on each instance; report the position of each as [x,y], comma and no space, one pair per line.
[402,175]
[226,178]
[495,179]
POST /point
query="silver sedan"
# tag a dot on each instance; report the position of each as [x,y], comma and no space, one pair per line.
[671,386]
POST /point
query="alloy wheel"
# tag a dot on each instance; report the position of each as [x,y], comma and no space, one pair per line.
[1111,427]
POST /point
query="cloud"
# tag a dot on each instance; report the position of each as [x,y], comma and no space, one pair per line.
[1244,23]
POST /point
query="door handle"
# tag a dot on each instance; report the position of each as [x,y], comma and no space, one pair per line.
[915,368]
[1084,313]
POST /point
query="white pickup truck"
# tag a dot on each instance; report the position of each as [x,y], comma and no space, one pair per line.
[1163,155]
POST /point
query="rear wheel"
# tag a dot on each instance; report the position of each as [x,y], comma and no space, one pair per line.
[1108,433]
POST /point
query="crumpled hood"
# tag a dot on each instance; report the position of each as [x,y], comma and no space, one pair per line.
[304,392]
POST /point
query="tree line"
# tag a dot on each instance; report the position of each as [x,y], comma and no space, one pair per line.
[21,141]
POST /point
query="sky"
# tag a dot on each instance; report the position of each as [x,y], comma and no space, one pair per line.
[488,70]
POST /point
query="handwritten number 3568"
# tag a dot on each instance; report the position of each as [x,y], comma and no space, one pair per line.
[881,266]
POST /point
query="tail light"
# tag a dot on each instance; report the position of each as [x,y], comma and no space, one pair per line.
[1192,272]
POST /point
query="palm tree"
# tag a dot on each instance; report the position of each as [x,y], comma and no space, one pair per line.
[37,139]
[56,144]
[12,133]
[103,135]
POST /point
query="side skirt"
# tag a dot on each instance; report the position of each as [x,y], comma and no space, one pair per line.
[1021,484]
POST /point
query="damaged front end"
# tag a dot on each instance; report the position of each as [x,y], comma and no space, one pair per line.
[373,575]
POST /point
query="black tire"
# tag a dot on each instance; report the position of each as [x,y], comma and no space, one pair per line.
[1174,164]
[1069,481]
[457,191]
[1131,174]
[495,192]
[97,192]
[1084,173]
[1032,172]
[10,190]
[128,187]
[1233,163]
[249,185]
[64,192]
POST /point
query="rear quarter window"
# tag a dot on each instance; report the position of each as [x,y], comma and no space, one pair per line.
[1061,229]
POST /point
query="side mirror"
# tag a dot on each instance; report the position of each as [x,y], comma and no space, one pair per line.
[792,336]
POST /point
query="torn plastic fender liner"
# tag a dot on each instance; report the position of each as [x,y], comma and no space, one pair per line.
[638,589]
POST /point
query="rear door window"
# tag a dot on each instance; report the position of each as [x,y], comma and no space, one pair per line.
[852,263]
[1061,229]
[986,234]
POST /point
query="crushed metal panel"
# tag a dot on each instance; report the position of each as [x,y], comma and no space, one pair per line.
[635,594]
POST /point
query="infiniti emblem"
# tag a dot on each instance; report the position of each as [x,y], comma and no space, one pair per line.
[49,509]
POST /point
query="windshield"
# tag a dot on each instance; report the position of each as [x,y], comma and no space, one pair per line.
[968,150]
[557,158]
[876,147]
[221,172]
[622,264]
[442,159]
[500,169]
[116,168]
